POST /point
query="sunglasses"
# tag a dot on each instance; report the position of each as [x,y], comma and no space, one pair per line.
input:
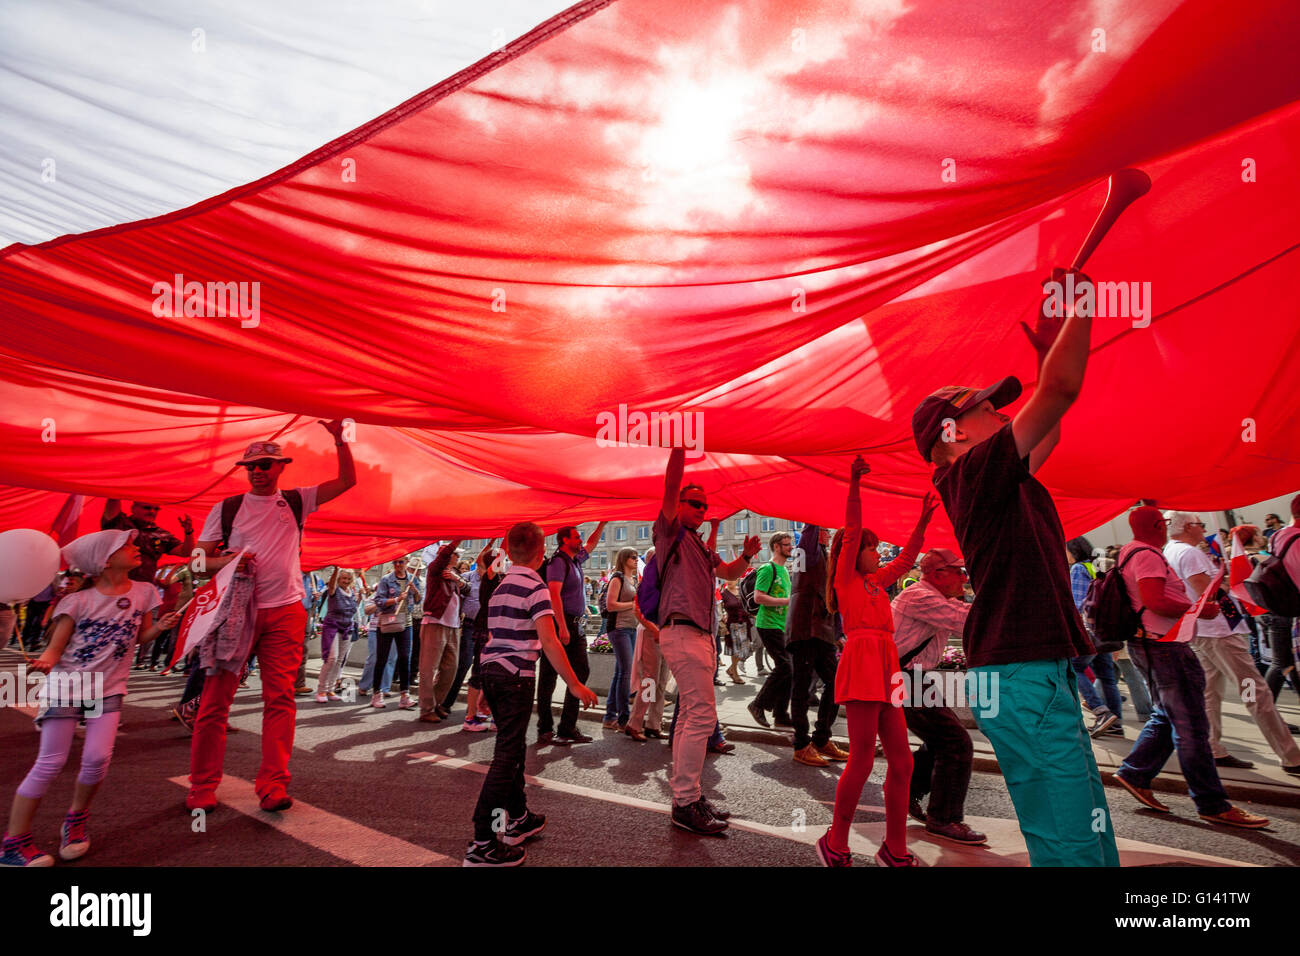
[696,503]
[262,464]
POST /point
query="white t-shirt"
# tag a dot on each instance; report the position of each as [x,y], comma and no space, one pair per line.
[1187,560]
[265,526]
[1148,562]
[105,629]
[451,616]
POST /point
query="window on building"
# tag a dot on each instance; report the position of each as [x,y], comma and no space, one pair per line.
[620,534]
[796,525]
[768,524]
[643,532]
[742,526]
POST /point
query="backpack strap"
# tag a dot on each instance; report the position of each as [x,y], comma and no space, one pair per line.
[908,657]
[229,508]
[294,497]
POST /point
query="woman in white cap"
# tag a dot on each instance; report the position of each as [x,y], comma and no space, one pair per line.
[88,660]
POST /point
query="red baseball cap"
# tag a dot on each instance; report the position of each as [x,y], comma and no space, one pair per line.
[952,401]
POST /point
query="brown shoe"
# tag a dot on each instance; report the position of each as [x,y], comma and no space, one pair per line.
[431,718]
[1237,817]
[833,751]
[809,755]
[635,734]
[1143,795]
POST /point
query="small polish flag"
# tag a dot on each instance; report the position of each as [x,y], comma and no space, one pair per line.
[1185,629]
[1241,569]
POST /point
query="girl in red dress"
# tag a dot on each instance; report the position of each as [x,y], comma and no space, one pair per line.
[865,678]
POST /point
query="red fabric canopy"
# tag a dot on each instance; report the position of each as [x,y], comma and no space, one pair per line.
[741,213]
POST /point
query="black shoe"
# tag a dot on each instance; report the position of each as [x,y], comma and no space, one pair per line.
[915,811]
[1293,729]
[757,713]
[577,737]
[656,734]
[546,738]
[1231,761]
[1293,771]
[814,701]
[695,818]
[714,811]
[782,720]
[494,853]
[723,748]
[517,831]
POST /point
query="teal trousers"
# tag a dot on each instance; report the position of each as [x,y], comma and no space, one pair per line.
[1032,718]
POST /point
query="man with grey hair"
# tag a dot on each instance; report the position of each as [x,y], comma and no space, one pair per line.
[925,615]
[1223,650]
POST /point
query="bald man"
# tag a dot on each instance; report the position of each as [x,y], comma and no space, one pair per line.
[1174,678]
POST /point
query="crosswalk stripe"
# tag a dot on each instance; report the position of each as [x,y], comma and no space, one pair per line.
[335,835]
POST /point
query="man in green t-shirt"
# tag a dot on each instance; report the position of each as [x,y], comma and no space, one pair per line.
[772,592]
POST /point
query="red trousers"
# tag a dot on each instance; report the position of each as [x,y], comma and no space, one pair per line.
[279,648]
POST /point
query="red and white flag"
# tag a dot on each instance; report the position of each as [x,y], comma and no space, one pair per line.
[1239,571]
[204,611]
[64,528]
[1185,629]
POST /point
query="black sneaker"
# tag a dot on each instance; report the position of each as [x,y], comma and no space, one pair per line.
[695,818]
[493,853]
[1103,720]
[714,811]
[529,825]
[1231,761]
[545,738]
[915,811]
[782,720]
[577,737]
[757,713]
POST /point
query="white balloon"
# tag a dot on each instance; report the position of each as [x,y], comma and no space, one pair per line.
[29,560]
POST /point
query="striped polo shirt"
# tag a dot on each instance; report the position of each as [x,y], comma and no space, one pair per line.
[520,601]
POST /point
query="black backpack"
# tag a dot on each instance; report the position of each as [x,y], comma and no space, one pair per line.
[1271,587]
[546,563]
[1108,609]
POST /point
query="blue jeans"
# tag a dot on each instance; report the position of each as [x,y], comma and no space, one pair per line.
[621,639]
[368,672]
[1104,668]
[1137,688]
[1178,722]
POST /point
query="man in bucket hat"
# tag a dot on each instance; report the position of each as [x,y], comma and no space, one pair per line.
[1023,628]
[267,523]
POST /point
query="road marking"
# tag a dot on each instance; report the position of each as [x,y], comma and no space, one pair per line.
[1006,846]
[335,835]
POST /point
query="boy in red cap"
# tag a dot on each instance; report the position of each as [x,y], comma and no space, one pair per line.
[1023,627]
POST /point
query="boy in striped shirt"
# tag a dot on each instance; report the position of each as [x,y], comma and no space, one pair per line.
[521,625]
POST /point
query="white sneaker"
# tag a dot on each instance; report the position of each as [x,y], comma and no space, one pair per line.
[322,699]
[376,700]
[406,702]
[331,697]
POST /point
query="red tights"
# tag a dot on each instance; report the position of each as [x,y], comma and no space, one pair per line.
[865,719]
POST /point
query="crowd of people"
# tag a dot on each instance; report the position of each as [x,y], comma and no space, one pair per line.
[838,633]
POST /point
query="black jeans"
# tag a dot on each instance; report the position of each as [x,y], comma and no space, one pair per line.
[511,700]
[403,672]
[576,652]
[463,662]
[162,647]
[1277,634]
[32,630]
[774,695]
[809,657]
[941,766]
